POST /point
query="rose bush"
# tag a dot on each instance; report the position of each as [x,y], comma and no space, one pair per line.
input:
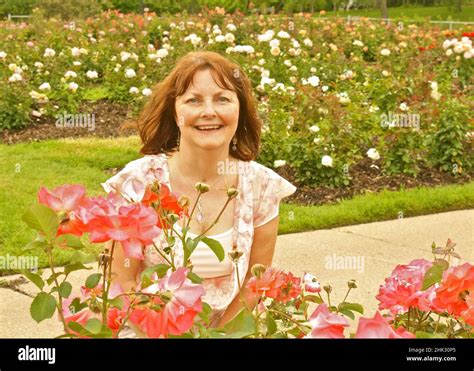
[332,89]
[422,298]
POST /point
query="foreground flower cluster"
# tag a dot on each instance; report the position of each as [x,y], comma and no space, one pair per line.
[421,299]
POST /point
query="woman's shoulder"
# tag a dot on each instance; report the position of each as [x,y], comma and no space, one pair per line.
[267,181]
[144,168]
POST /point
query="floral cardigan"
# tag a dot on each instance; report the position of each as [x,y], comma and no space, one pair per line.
[260,192]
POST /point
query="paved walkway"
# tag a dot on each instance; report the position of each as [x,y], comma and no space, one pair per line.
[366,252]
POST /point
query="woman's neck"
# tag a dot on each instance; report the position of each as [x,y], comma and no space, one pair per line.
[202,165]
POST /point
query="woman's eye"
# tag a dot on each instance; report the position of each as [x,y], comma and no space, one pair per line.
[192,100]
[224,99]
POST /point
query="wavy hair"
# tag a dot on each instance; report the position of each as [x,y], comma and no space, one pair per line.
[157,124]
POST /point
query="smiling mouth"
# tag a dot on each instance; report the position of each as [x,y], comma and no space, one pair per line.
[208,128]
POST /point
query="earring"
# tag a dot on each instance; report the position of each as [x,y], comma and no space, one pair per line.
[178,140]
[234,142]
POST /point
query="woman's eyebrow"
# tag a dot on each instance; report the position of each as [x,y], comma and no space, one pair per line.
[199,95]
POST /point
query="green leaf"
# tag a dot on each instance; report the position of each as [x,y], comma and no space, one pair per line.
[94,326]
[432,276]
[347,313]
[243,324]
[216,247]
[42,307]
[313,299]
[117,302]
[43,219]
[186,335]
[159,269]
[65,289]
[74,267]
[76,327]
[351,306]
[190,246]
[105,332]
[51,278]
[35,244]
[171,241]
[33,277]
[93,280]
[69,240]
[76,306]
[271,324]
[82,257]
[428,335]
[194,277]
[205,313]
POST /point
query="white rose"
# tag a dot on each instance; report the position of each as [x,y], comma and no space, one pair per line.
[49,53]
[133,90]
[279,163]
[313,80]
[314,128]
[326,161]
[229,37]
[275,51]
[373,154]
[73,86]
[385,52]
[129,73]
[274,43]
[92,74]
[45,86]
[162,53]
[146,92]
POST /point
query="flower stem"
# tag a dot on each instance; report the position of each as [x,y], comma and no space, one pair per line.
[106,280]
[164,256]
[194,208]
[60,300]
[217,219]
[347,294]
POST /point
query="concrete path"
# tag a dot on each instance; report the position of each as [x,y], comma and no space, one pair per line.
[367,253]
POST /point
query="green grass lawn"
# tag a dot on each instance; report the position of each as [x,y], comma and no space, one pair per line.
[414,13]
[27,167]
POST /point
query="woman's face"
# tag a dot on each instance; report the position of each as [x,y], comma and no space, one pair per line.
[205,104]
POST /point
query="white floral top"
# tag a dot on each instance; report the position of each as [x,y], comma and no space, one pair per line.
[260,192]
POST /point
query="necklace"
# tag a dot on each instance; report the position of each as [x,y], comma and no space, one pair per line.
[200,212]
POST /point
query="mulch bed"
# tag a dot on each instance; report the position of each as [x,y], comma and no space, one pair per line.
[110,117]
[367,179]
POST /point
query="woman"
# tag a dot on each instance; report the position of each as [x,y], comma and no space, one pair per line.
[201,125]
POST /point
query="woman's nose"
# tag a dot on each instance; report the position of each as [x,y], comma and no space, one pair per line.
[208,109]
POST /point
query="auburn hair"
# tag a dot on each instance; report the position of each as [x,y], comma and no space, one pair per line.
[157,124]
